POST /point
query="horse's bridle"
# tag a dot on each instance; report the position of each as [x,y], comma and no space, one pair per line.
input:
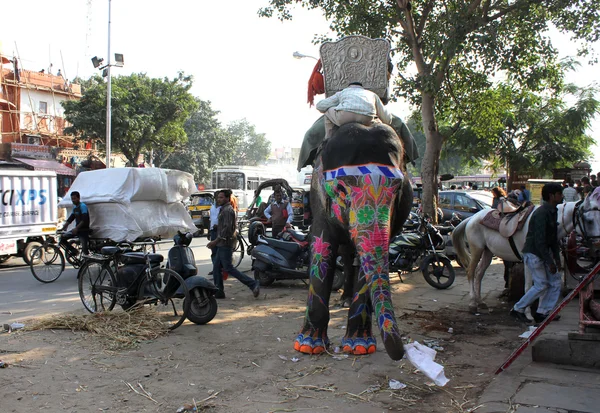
[579,221]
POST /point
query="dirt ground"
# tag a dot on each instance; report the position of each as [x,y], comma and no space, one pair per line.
[242,362]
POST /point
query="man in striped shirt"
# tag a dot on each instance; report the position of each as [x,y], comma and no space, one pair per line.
[353,104]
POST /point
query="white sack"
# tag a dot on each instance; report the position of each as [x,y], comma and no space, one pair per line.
[422,358]
[126,185]
[140,219]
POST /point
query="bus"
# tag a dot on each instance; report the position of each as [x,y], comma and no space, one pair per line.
[242,180]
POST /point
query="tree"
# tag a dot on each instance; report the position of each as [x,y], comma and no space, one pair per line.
[529,131]
[453,159]
[208,145]
[456,47]
[147,113]
[252,147]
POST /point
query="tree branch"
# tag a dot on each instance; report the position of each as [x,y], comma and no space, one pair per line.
[473,6]
[426,10]
[518,4]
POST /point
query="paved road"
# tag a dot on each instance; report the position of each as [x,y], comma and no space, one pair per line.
[22,296]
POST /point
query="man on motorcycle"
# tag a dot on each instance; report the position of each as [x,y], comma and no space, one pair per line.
[279,213]
[81,216]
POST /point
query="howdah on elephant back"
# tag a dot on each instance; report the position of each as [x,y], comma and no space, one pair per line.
[361,196]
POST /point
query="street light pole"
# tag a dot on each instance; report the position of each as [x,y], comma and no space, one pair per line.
[298,55]
[108,96]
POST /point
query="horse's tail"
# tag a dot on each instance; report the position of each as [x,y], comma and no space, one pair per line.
[460,243]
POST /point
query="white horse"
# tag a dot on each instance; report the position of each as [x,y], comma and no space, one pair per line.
[483,243]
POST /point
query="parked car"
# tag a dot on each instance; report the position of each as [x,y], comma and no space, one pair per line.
[464,202]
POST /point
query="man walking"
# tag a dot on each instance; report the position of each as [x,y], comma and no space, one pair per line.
[279,213]
[81,216]
[542,257]
[226,231]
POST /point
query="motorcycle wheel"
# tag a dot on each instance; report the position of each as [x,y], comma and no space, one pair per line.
[203,307]
[438,272]
[338,279]
[263,278]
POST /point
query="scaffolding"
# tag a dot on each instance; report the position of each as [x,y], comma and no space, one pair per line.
[17,125]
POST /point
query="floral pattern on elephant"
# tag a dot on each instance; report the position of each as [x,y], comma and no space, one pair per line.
[362,203]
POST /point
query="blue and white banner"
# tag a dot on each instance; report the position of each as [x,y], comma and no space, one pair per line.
[360,170]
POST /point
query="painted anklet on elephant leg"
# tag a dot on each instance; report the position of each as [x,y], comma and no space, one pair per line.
[359,346]
[309,345]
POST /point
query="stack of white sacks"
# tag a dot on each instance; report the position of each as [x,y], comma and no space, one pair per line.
[130,203]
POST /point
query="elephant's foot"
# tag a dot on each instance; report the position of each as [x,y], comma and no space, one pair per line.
[359,346]
[307,344]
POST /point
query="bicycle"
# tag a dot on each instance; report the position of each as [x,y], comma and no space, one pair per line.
[47,262]
[132,279]
[241,245]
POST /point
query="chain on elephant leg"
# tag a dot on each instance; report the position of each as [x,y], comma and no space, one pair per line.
[313,339]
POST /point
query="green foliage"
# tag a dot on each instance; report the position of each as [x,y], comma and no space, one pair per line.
[147,113]
[529,131]
[252,148]
[453,160]
[459,48]
[208,145]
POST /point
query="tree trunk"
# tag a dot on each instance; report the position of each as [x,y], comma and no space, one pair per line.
[431,159]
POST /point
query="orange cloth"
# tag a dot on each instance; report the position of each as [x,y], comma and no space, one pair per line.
[316,83]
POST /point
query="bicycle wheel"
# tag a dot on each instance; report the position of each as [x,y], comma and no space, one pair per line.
[238,252]
[47,263]
[97,286]
[166,290]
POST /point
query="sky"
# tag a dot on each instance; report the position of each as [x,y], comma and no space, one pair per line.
[240,62]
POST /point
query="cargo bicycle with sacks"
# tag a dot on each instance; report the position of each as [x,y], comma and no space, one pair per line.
[132,279]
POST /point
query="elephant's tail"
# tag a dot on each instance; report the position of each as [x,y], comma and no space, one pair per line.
[460,243]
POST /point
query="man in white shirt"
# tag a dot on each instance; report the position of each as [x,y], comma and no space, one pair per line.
[570,193]
[353,104]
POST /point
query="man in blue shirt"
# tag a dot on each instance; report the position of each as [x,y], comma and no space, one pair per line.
[81,216]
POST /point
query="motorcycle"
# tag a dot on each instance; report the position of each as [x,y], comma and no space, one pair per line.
[181,259]
[423,250]
[284,259]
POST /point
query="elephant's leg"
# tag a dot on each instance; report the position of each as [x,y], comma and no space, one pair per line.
[359,337]
[475,257]
[486,260]
[312,338]
[349,275]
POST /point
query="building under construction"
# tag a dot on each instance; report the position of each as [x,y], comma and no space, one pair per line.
[32,124]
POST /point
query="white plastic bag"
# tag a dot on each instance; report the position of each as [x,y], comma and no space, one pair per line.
[422,358]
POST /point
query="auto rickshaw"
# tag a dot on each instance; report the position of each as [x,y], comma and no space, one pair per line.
[199,209]
[263,198]
[301,206]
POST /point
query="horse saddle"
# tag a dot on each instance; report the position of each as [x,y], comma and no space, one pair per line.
[507,223]
[507,207]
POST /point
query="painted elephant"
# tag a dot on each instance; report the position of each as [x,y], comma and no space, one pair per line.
[360,196]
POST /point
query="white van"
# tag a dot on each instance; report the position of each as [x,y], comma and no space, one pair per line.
[28,210]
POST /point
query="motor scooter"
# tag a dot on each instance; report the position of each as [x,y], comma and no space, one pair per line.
[181,259]
[284,259]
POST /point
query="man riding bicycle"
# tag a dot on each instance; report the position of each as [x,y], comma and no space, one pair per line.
[81,217]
